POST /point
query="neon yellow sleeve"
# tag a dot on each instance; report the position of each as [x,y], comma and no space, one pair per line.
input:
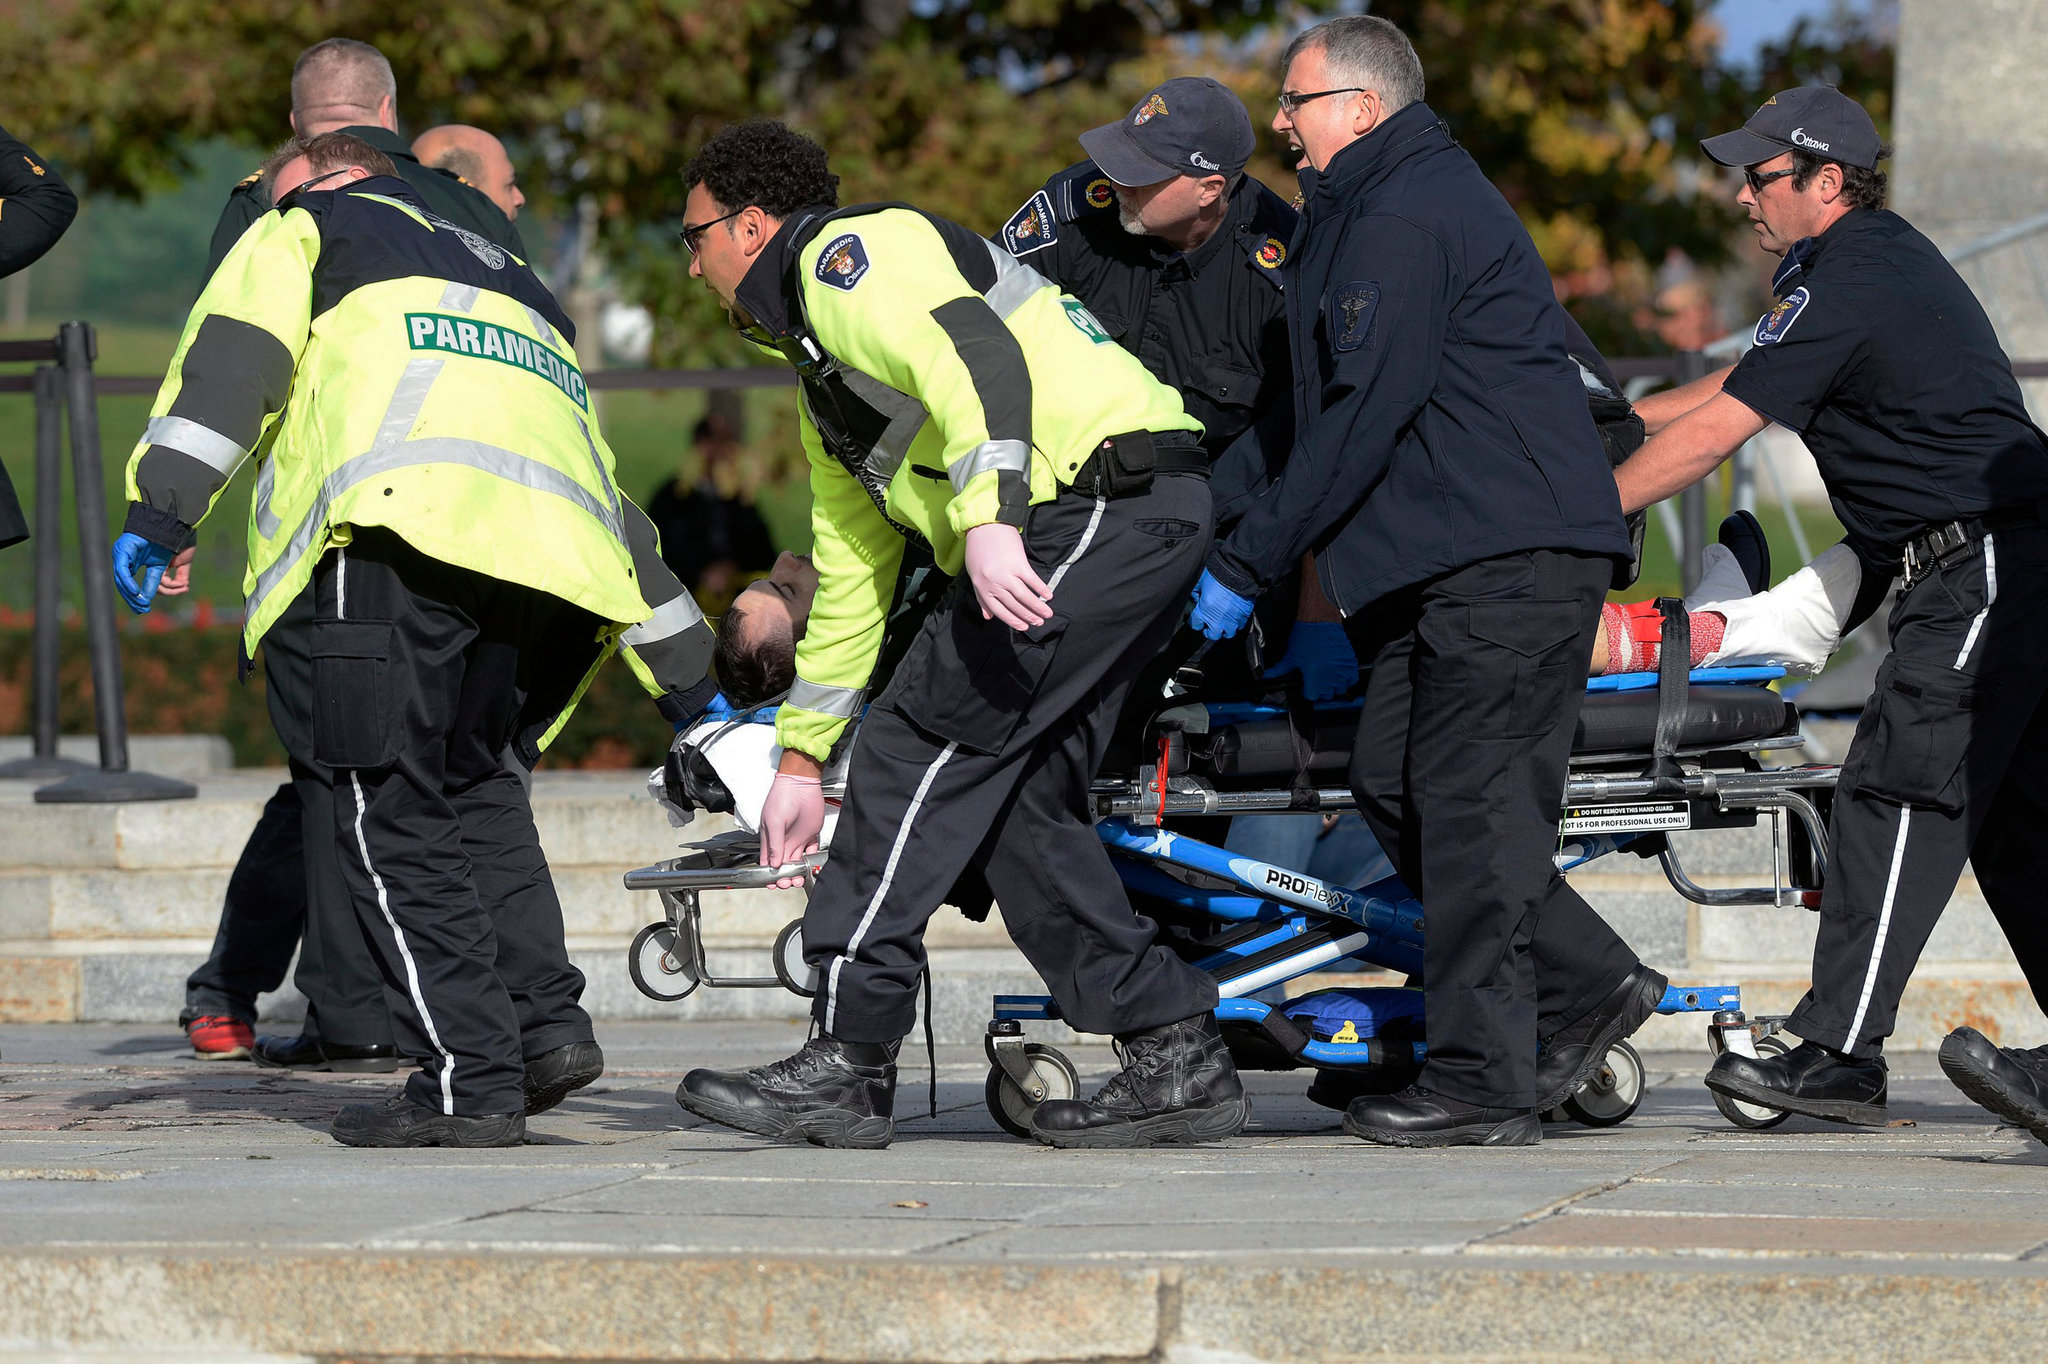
[883,294]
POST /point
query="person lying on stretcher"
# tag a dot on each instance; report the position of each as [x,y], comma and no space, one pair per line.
[1795,625]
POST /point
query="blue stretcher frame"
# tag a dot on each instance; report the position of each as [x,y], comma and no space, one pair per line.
[1380,924]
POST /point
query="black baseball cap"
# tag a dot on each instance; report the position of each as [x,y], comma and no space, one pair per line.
[1813,118]
[1191,125]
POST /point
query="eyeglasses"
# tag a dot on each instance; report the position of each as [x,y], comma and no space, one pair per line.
[692,235]
[1289,102]
[1757,182]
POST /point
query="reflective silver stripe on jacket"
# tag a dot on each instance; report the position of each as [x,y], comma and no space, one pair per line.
[1015,282]
[672,617]
[997,455]
[203,443]
[491,459]
[842,703]
[906,415]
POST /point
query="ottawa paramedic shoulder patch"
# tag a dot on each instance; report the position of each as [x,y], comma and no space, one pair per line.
[843,261]
[1772,326]
[1032,227]
[1351,314]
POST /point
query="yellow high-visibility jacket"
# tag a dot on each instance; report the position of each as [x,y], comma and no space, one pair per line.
[389,368]
[946,385]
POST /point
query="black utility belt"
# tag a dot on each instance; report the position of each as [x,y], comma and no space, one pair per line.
[1935,546]
[1123,466]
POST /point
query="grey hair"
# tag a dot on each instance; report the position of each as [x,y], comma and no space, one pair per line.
[341,73]
[1366,51]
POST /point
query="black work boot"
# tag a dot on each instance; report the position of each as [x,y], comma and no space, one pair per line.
[2009,1082]
[1178,1085]
[554,1075]
[1568,1057]
[398,1121]
[1418,1116]
[1810,1079]
[832,1093]
[313,1053]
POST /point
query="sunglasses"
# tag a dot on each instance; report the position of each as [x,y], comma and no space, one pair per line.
[305,185]
[691,235]
[1757,182]
[1290,103]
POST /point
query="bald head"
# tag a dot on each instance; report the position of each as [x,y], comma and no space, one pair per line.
[341,83]
[477,157]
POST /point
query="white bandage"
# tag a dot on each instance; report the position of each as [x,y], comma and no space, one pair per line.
[1796,625]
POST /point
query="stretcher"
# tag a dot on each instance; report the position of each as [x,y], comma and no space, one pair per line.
[1652,754]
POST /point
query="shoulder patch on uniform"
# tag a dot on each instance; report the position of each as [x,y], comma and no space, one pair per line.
[1772,326]
[251,178]
[843,261]
[1032,227]
[1100,194]
[1352,307]
[1270,254]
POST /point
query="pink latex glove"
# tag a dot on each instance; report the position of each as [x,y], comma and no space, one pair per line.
[791,819]
[1004,583]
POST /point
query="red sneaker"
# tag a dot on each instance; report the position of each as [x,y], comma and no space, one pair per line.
[218,1038]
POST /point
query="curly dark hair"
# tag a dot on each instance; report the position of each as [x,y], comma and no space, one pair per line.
[764,164]
[753,666]
[1861,187]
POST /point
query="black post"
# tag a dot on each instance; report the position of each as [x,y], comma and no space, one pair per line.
[113,782]
[1692,503]
[45,765]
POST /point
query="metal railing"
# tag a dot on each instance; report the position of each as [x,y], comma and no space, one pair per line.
[63,386]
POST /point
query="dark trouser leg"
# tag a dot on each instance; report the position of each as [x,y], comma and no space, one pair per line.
[512,880]
[337,973]
[410,719]
[260,918]
[1955,704]
[1476,682]
[961,728]
[1578,958]
[2010,855]
[1062,901]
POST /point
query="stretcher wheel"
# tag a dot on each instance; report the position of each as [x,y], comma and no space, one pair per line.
[658,971]
[798,976]
[1613,1093]
[1755,1117]
[1011,1107]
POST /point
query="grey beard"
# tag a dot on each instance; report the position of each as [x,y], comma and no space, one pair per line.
[1132,223]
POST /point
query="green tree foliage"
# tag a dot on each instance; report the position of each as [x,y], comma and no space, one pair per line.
[1586,112]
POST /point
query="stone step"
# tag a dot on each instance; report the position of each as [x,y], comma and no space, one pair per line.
[186,756]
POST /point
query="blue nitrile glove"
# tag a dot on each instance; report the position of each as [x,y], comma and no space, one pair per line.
[132,552]
[717,708]
[1321,652]
[1219,612]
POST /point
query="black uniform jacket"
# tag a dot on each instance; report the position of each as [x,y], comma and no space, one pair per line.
[35,206]
[441,191]
[1884,362]
[1439,419]
[1211,322]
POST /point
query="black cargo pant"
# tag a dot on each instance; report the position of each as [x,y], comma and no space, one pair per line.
[423,675]
[1947,765]
[981,749]
[286,891]
[1476,681]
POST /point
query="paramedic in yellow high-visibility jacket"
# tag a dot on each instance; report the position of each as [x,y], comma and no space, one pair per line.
[953,397]
[430,465]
